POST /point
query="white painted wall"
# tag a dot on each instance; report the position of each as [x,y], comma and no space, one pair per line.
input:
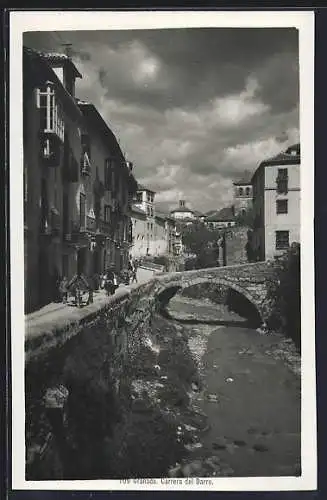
[281,222]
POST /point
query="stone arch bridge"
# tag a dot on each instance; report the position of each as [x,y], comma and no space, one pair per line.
[250,280]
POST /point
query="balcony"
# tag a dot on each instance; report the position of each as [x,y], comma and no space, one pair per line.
[104,228]
[78,234]
[90,224]
[51,116]
[85,164]
[51,151]
[51,224]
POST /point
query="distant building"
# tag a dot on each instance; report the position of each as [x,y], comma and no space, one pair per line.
[144,199]
[221,218]
[152,236]
[140,232]
[182,212]
[243,195]
[144,232]
[164,235]
[276,203]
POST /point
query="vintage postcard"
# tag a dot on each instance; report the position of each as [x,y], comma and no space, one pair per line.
[161,215]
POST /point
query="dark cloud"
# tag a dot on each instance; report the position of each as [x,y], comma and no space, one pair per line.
[193,108]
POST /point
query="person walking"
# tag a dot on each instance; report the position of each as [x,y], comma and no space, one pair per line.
[134,275]
[63,289]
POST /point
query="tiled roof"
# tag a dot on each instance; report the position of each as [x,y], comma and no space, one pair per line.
[182,210]
[164,216]
[244,180]
[55,57]
[224,215]
[40,66]
[137,210]
[291,156]
[141,187]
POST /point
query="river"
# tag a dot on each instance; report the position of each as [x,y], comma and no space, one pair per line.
[249,391]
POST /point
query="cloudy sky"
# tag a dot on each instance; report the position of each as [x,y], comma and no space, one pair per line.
[192,108]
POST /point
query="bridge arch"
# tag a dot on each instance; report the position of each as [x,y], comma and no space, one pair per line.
[168,290]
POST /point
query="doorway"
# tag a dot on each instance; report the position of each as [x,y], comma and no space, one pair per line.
[81,261]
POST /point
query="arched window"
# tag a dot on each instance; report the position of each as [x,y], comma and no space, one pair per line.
[240,191]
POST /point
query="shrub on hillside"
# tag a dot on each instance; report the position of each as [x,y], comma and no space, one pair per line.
[284,294]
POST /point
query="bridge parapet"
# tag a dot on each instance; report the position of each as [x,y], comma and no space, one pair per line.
[251,280]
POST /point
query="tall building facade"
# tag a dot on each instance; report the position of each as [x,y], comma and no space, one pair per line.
[112,187]
[276,204]
[53,126]
[66,226]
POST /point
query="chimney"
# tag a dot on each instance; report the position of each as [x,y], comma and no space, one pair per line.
[68,49]
[181,203]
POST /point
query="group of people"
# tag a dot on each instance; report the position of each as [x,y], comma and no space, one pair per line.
[109,281]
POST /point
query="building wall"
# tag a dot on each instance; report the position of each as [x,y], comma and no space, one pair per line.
[47,255]
[258,237]
[159,245]
[32,193]
[183,215]
[281,222]
[140,239]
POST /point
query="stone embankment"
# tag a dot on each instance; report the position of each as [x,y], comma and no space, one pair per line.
[109,369]
[87,351]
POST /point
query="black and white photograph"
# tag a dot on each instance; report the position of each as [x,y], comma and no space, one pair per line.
[161,221]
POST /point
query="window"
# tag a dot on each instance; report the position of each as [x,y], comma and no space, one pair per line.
[82,210]
[282,180]
[51,116]
[282,240]
[240,191]
[107,213]
[247,191]
[282,206]
[139,197]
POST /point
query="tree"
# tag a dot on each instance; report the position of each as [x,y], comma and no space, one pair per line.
[201,242]
[285,295]
[245,219]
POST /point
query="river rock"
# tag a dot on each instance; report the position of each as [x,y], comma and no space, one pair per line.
[213,398]
[192,469]
[193,446]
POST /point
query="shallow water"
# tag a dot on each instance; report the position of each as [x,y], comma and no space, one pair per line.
[250,396]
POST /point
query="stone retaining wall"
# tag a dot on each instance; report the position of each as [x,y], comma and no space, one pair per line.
[104,340]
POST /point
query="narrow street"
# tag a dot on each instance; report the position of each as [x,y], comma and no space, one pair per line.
[250,394]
